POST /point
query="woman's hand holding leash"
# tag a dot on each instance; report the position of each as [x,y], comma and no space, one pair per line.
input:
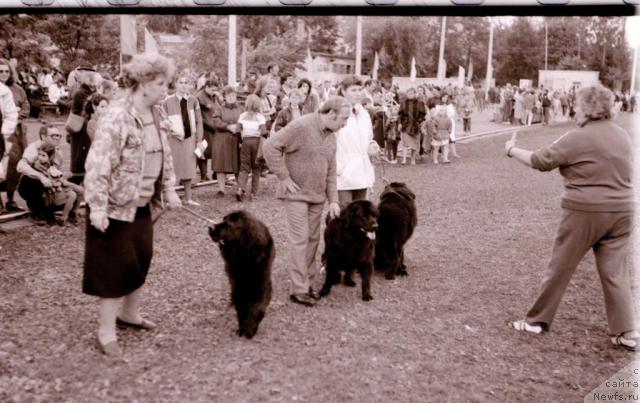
[173,201]
[334,210]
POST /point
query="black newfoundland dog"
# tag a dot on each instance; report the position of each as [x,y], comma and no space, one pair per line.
[349,245]
[247,248]
[396,223]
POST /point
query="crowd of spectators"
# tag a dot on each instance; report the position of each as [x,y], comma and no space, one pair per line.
[229,123]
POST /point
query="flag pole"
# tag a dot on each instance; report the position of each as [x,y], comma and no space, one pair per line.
[441,73]
[489,60]
[231,68]
[358,45]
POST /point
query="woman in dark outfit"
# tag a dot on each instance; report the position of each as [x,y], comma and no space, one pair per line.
[80,141]
[596,163]
[129,170]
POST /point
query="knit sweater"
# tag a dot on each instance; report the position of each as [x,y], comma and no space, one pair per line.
[596,162]
[305,152]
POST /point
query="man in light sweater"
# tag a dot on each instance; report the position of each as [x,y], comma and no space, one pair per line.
[303,157]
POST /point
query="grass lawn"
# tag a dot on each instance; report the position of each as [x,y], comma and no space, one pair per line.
[486,226]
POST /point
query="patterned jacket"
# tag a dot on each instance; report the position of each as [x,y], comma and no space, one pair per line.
[115,164]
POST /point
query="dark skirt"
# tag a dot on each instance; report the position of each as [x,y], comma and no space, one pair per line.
[224,153]
[19,143]
[117,261]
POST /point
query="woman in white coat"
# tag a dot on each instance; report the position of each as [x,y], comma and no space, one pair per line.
[355,173]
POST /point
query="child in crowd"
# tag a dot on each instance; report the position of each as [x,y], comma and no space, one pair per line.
[252,126]
[62,192]
[466,118]
[428,131]
[392,134]
[291,112]
[443,126]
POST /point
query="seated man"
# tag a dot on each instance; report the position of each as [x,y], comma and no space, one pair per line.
[34,184]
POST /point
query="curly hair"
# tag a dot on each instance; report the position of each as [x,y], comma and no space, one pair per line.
[595,102]
[144,68]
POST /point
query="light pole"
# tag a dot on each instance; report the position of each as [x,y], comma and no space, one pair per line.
[489,60]
[632,31]
[441,67]
[358,45]
[231,69]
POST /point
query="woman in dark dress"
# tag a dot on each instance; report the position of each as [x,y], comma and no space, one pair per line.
[224,147]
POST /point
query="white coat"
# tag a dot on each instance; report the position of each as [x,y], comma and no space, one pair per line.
[354,168]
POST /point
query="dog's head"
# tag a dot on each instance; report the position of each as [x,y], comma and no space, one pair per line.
[400,189]
[361,215]
[239,227]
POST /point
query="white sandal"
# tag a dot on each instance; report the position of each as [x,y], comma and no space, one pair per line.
[523,326]
[630,343]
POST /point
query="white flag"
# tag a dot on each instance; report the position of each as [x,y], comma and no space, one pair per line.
[376,65]
[128,36]
[309,64]
[412,75]
[150,45]
[460,76]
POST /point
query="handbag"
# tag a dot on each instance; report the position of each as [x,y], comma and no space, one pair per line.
[74,123]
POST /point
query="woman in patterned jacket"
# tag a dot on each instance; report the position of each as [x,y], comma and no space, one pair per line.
[129,169]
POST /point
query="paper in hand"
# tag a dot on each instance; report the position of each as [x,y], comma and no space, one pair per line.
[199,151]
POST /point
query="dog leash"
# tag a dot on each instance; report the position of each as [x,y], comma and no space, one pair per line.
[200,216]
[156,218]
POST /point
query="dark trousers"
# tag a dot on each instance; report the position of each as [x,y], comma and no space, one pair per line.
[32,191]
[607,234]
[248,157]
[466,122]
[347,196]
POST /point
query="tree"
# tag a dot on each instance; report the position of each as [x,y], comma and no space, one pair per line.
[20,40]
[466,43]
[518,51]
[397,40]
[90,38]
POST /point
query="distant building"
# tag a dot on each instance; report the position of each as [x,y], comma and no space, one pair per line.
[329,67]
[566,79]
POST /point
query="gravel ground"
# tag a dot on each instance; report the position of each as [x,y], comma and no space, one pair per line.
[486,226]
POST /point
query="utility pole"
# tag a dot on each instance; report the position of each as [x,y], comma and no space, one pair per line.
[441,67]
[231,69]
[489,60]
[546,46]
[358,45]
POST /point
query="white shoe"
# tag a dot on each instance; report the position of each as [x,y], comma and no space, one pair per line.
[523,326]
[192,203]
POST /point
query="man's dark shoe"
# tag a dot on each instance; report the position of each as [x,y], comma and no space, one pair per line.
[12,207]
[34,219]
[303,299]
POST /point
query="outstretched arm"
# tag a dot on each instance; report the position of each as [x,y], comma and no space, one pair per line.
[519,154]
